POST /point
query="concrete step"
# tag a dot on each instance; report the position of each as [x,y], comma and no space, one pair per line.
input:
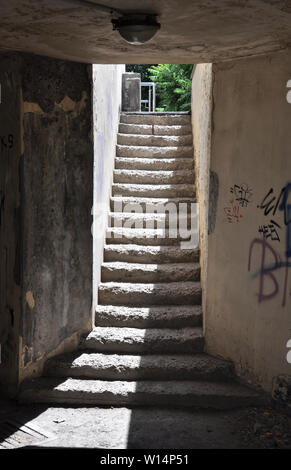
[155,140]
[149,205]
[150,254]
[165,316]
[100,366]
[157,164]
[138,294]
[137,272]
[156,119]
[147,341]
[185,394]
[154,152]
[151,129]
[154,177]
[153,190]
[150,221]
[144,236]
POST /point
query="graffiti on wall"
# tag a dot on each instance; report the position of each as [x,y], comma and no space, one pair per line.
[272,271]
[6,142]
[241,197]
[274,205]
[242,194]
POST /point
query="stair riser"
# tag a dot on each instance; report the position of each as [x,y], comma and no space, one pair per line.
[161,347]
[154,177]
[142,240]
[150,129]
[160,120]
[153,152]
[131,255]
[140,373]
[110,297]
[155,140]
[149,206]
[167,316]
[143,190]
[156,164]
[131,221]
[137,398]
[133,322]
[138,275]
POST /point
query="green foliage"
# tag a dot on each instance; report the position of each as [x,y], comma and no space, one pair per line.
[173,84]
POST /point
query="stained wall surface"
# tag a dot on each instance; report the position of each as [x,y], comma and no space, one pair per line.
[247,302]
[48,189]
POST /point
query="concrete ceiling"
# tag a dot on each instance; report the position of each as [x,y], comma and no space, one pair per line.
[191,30]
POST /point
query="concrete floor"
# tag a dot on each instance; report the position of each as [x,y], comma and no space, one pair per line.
[122,428]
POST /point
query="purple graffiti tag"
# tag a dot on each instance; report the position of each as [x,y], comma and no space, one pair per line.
[265,271]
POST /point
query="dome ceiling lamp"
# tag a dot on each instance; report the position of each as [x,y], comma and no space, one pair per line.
[135,27]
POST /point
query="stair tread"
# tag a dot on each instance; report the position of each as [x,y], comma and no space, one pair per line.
[141,294]
[153,190]
[153,177]
[150,266]
[144,236]
[172,186]
[154,119]
[149,272]
[156,148]
[140,335]
[152,172]
[141,232]
[147,215]
[152,200]
[149,249]
[149,253]
[180,285]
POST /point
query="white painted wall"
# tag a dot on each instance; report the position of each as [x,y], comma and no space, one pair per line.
[106,112]
[201,127]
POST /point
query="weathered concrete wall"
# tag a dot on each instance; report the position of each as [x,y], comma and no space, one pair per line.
[57,184]
[10,220]
[107,81]
[53,272]
[247,308]
[201,125]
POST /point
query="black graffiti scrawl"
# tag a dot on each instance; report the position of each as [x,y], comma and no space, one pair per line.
[242,194]
[272,205]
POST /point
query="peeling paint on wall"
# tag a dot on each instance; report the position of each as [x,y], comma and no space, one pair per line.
[30,299]
[69,105]
[32,108]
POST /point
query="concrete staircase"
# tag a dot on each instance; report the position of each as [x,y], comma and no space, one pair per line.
[147,347]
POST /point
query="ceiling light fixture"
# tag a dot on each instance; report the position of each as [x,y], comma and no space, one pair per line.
[136,28]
